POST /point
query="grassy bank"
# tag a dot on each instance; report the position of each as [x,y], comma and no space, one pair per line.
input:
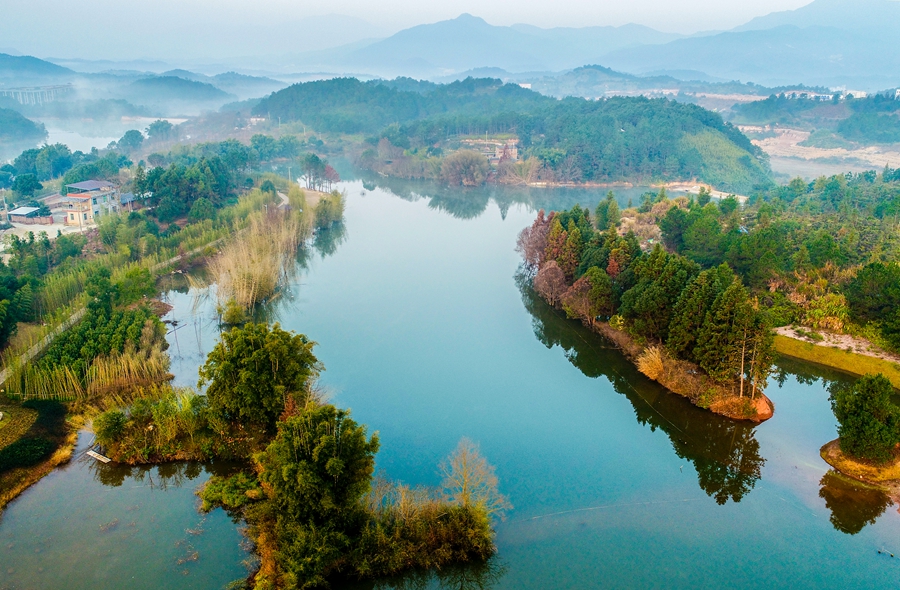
[851,362]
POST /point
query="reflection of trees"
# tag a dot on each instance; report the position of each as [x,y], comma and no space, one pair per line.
[468,203]
[810,374]
[725,453]
[852,505]
[327,240]
[468,576]
[160,476]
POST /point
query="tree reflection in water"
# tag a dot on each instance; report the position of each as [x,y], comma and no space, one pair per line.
[161,477]
[725,453]
[468,576]
[327,240]
[852,506]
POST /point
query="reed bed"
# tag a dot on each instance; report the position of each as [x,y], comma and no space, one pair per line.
[107,375]
[250,267]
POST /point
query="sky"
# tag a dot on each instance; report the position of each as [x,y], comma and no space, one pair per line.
[203,29]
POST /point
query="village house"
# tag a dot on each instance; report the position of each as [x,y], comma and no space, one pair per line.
[495,150]
[90,199]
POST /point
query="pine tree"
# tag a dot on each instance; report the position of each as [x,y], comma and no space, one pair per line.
[556,239]
[571,251]
[607,212]
[690,311]
[601,294]
[721,343]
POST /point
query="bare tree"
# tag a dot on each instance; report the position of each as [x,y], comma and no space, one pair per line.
[469,480]
[532,241]
[466,168]
[577,301]
[550,282]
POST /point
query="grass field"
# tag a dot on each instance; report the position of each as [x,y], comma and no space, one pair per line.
[850,362]
[16,422]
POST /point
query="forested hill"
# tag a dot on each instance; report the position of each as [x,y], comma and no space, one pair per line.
[16,128]
[347,105]
[619,139]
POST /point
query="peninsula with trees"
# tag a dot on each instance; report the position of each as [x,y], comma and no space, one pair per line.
[701,294]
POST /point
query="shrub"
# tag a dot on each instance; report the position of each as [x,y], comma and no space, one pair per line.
[25,452]
[868,422]
[230,493]
[109,426]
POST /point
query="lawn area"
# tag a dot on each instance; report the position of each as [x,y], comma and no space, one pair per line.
[851,362]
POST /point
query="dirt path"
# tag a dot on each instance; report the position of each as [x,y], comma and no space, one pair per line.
[312,198]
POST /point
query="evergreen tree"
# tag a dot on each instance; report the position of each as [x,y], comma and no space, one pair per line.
[661,279]
[607,212]
[571,251]
[690,311]
[868,422]
[721,343]
[601,294]
[673,226]
[556,240]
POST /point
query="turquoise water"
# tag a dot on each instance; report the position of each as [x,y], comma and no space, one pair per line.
[428,335]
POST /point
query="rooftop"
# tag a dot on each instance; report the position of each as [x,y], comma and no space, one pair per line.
[90,185]
[23,211]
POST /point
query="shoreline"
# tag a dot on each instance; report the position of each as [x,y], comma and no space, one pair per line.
[685,186]
[687,380]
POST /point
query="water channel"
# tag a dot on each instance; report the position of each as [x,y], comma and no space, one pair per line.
[428,335]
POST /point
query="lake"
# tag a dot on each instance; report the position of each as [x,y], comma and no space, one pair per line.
[429,335]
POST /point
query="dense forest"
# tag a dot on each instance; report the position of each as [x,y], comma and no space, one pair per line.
[409,125]
[660,298]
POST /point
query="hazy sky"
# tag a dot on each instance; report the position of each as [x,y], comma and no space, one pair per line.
[117,29]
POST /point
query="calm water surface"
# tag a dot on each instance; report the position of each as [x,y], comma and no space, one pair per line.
[429,336]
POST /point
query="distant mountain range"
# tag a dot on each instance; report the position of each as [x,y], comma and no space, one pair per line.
[828,42]
[467,42]
[172,92]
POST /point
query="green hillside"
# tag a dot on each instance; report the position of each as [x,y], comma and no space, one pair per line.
[575,140]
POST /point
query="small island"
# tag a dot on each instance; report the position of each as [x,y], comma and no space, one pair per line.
[868,445]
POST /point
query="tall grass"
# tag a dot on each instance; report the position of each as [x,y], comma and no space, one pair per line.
[252,265]
[107,375]
[651,362]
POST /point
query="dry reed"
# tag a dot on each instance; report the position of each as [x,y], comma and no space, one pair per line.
[651,363]
[253,264]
